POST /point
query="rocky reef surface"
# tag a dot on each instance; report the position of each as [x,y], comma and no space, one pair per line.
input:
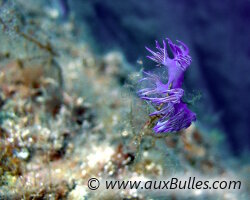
[216,33]
[65,117]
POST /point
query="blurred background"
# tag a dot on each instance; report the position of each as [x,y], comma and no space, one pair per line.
[68,107]
[217,33]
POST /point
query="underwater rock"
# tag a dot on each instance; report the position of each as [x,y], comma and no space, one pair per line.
[64,120]
[37,78]
[216,33]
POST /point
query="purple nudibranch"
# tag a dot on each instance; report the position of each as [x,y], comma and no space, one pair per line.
[173,114]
